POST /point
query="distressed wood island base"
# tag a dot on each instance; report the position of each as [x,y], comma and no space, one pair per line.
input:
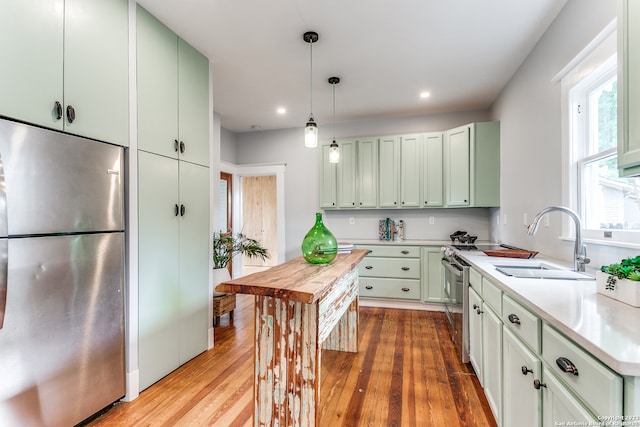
[300,309]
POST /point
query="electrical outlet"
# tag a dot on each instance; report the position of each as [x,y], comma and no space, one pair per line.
[432,220]
[352,220]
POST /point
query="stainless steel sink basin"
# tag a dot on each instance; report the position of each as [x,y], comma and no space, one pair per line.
[542,271]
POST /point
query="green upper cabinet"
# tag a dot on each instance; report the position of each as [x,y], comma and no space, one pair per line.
[628,88]
[389,172]
[410,166]
[173,93]
[347,174]
[64,74]
[432,170]
[368,173]
[328,196]
[457,166]
[472,165]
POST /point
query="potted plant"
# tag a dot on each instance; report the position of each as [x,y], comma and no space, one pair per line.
[621,281]
[226,246]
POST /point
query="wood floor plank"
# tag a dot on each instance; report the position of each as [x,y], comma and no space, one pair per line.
[406,373]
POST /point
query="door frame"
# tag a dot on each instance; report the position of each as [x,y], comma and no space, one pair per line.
[238,171]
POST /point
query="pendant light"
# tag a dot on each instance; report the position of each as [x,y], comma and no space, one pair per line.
[334,150]
[311,130]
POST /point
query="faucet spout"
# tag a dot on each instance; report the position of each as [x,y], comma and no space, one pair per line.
[579,251]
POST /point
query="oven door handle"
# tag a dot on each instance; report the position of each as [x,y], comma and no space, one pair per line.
[451,267]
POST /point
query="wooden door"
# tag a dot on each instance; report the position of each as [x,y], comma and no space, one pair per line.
[259,218]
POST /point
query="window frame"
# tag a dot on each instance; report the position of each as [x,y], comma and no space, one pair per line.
[599,55]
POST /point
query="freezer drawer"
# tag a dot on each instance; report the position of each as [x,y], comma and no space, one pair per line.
[62,344]
[58,183]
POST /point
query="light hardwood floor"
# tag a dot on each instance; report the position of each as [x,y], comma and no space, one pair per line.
[406,373]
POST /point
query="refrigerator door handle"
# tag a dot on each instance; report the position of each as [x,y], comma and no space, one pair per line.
[4,243]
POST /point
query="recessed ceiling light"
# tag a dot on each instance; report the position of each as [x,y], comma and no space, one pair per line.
[281,110]
[425,94]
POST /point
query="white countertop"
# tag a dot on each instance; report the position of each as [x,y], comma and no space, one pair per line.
[607,328]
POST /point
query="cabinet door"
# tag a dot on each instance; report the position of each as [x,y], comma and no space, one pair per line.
[31,42]
[629,88]
[457,166]
[157,86]
[327,179]
[389,172]
[193,102]
[522,403]
[410,171]
[432,170]
[492,360]
[560,406]
[158,277]
[96,69]
[432,275]
[368,173]
[194,259]
[475,333]
[347,175]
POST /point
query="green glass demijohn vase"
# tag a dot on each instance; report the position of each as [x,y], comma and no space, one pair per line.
[319,245]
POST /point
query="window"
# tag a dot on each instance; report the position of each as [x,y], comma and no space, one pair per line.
[609,205]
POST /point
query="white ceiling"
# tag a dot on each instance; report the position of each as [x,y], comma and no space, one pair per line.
[386,52]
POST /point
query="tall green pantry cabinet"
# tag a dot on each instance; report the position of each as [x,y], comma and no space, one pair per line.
[173,194]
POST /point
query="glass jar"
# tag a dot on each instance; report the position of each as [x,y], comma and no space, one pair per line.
[319,246]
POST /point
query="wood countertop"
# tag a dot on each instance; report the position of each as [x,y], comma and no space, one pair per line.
[296,279]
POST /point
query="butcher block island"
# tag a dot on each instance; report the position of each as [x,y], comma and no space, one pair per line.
[300,309]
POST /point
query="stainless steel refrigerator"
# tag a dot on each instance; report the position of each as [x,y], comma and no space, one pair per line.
[61,276]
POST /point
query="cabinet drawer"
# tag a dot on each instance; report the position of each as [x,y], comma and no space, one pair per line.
[492,295]
[398,251]
[390,288]
[390,267]
[522,322]
[597,385]
[475,280]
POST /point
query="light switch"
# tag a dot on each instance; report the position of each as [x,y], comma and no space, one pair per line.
[432,220]
[352,220]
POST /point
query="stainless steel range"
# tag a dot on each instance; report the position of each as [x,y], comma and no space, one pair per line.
[456,293]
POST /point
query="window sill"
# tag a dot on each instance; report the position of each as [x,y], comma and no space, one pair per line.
[602,242]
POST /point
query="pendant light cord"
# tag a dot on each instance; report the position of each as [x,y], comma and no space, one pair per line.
[311,76]
[334,111]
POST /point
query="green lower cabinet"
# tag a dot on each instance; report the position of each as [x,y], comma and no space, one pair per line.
[390,272]
[432,275]
[492,360]
[560,406]
[522,404]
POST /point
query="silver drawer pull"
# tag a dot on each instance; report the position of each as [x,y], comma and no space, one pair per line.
[368,287]
[566,365]
[405,269]
[405,252]
[406,289]
[514,319]
[369,267]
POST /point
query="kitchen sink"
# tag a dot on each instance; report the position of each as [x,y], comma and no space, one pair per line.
[542,271]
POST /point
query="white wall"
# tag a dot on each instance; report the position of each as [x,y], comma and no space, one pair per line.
[529,109]
[227,146]
[301,176]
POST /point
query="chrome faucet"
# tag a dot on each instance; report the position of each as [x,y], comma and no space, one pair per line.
[580,250]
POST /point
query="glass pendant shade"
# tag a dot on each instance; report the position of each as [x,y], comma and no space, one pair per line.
[311,134]
[319,246]
[334,152]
